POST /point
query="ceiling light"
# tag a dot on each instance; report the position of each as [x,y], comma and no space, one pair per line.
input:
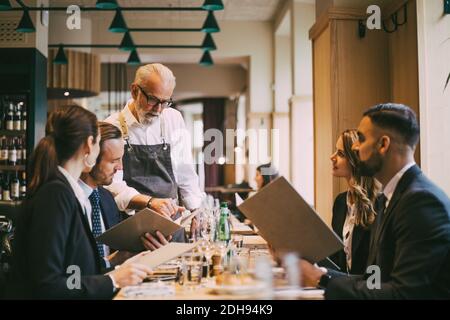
[213,5]
[127,43]
[25,24]
[134,58]
[5,5]
[208,43]
[60,56]
[106,4]
[206,59]
[210,24]
[66,94]
[118,24]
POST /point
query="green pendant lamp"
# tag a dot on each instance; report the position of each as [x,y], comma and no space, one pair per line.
[118,24]
[134,60]
[213,5]
[127,43]
[61,57]
[208,44]
[106,4]
[26,24]
[206,59]
[210,24]
[5,5]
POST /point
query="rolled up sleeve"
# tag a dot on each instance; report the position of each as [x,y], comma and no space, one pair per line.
[122,192]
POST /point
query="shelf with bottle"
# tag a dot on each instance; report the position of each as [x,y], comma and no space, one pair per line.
[14,117]
[13,187]
[13,153]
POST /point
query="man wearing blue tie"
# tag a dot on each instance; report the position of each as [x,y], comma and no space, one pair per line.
[103,212]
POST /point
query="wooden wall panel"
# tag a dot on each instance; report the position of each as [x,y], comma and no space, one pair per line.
[404,63]
[323,124]
[362,67]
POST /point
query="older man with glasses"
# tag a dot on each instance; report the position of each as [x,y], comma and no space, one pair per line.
[158,170]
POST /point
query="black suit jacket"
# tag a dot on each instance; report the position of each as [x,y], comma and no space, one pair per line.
[360,240]
[52,234]
[411,246]
[110,211]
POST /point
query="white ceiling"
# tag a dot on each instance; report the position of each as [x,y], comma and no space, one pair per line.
[248,10]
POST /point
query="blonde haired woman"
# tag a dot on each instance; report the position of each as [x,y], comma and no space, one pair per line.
[353,210]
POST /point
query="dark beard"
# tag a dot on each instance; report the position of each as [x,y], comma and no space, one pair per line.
[371,166]
[99,177]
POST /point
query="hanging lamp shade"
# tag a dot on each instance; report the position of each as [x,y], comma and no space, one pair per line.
[5,5]
[206,59]
[60,57]
[213,5]
[26,24]
[208,44]
[118,24]
[106,4]
[210,24]
[127,43]
[134,60]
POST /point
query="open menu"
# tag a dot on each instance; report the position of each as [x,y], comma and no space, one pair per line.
[126,234]
[288,223]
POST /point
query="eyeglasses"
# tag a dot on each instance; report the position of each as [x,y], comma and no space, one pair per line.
[154,101]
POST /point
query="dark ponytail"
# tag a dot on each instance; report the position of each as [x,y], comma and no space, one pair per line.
[67,129]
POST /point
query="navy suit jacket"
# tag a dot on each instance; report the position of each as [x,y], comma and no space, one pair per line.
[110,212]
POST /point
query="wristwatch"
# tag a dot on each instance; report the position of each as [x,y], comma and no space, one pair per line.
[149,203]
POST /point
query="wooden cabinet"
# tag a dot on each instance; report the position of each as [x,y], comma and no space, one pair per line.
[351,74]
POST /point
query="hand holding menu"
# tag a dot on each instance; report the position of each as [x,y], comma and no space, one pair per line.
[126,235]
[288,223]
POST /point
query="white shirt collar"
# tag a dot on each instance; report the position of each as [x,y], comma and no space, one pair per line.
[79,193]
[392,184]
[87,189]
[129,117]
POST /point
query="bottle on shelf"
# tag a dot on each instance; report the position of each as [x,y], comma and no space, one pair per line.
[6,189]
[15,187]
[24,117]
[24,152]
[10,117]
[17,118]
[23,186]
[19,150]
[4,151]
[12,153]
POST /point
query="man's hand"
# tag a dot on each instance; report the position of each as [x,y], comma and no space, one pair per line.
[130,274]
[152,243]
[119,257]
[310,274]
[165,207]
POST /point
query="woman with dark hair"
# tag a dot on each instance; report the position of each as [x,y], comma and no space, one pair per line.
[263,178]
[353,210]
[55,254]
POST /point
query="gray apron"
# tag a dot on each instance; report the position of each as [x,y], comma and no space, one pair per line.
[148,169]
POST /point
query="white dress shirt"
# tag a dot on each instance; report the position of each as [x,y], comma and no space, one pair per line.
[178,137]
[88,191]
[347,231]
[390,187]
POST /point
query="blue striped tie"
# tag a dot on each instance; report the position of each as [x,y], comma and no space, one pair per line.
[94,198]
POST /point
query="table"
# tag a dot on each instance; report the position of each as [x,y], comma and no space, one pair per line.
[173,291]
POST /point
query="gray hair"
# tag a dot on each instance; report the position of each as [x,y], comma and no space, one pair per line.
[158,69]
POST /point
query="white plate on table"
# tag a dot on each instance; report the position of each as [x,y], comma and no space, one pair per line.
[244,289]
